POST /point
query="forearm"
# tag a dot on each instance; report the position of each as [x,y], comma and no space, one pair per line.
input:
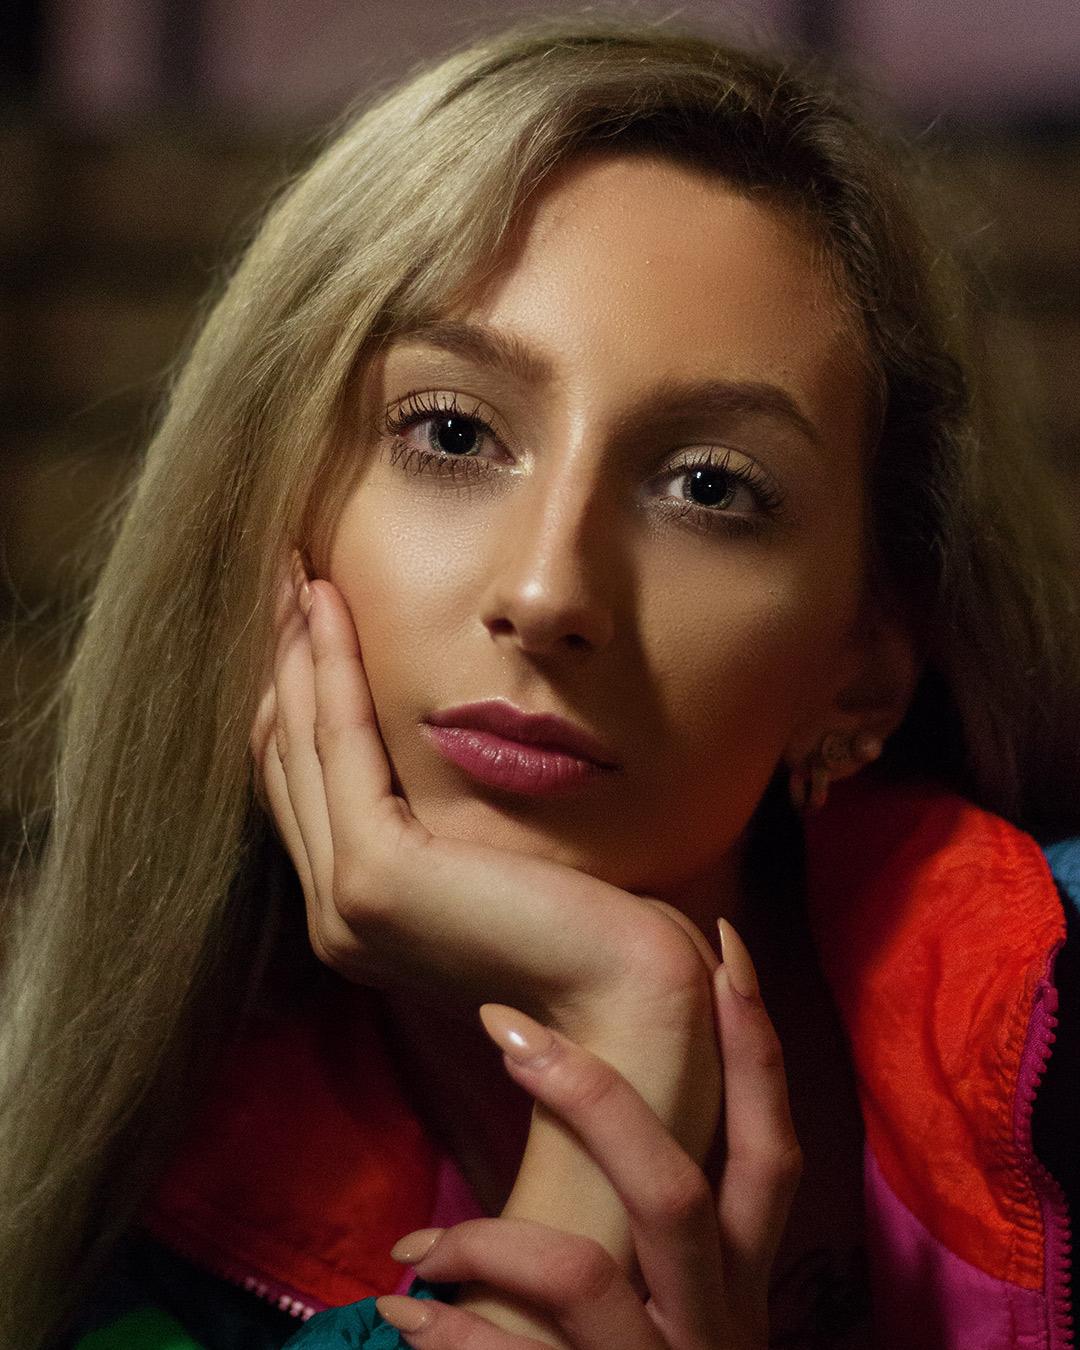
[706,1222]
[559,1184]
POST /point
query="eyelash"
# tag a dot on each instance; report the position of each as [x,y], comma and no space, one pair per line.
[769,498]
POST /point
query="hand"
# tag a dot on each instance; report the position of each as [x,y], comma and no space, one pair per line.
[705,1262]
[388,903]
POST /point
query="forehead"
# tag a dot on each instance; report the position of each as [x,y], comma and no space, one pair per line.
[628,270]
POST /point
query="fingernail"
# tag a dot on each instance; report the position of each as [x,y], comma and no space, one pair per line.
[737,963]
[300,584]
[525,1041]
[407,1314]
[414,1247]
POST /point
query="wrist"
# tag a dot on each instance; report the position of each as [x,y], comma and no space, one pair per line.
[664,1043]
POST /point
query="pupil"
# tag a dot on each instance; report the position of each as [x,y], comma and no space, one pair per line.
[700,481]
[455,435]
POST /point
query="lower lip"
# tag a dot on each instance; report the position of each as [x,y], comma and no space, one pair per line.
[511,765]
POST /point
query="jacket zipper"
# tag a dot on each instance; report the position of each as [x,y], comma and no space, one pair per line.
[1055,1211]
[270,1291]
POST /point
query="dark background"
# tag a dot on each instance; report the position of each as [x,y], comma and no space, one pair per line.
[138,138]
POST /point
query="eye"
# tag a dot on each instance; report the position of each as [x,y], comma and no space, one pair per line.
[452,435]
[453,443]
[709,483]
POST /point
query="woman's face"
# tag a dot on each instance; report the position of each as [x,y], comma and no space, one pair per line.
[697,622]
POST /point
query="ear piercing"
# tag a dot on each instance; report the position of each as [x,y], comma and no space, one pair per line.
[809,785]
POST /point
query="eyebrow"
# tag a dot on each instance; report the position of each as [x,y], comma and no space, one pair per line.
[669,397]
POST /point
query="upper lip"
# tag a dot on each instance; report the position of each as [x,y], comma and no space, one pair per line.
[544,729]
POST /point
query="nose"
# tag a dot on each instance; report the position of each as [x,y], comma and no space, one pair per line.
[552,574]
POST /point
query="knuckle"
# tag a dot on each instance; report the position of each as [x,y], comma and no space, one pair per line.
[370,925]
[332,955]
[467,1334]
[587,1084]
[671,956]
[767,1051]
[683,1194]
[667,967]
[770,1057]
[359,892]
[379,866]
[782,1167]
[582,1273]
[330,951]
[318,946]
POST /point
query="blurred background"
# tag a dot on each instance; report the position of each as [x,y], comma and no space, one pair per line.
[139,138]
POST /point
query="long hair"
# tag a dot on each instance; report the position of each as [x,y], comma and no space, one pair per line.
[149,925]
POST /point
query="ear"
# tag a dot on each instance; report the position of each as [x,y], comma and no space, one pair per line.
[877,675]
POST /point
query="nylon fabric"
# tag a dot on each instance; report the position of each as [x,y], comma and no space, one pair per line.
[305,1163]
[935,942]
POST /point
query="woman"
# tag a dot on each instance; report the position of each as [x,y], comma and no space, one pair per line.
[599,372]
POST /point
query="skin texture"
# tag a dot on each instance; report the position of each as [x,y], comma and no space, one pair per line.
[646,1089]
[558,580]
[705,1261]
[563,574]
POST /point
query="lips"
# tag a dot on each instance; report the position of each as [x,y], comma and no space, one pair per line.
[540,729]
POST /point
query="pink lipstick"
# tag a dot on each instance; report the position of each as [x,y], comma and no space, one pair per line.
[502,747]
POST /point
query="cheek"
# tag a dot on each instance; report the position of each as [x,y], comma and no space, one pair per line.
[740,658]
[395,550]
[408,582]
[394,589]
[725,686]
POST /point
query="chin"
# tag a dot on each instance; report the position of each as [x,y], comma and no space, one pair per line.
[546,828]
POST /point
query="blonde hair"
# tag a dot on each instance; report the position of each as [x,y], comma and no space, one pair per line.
[145,935]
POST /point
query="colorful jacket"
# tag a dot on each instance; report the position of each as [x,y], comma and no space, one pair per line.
[938,926]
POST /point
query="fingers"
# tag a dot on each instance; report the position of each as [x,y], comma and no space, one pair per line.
[570,1278]
[668,1200]
[294,686]
[763,1161]
[355,767]
[283,745]
[263,724]
[428,1324]
[279,806]
[271,786]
